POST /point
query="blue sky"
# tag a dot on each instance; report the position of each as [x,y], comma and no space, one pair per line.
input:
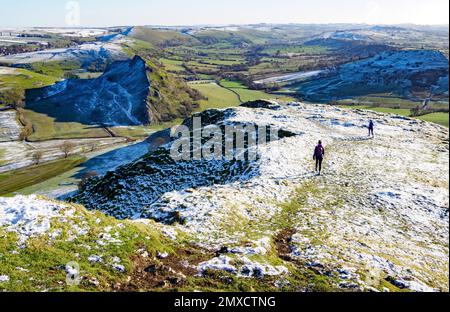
[26,13]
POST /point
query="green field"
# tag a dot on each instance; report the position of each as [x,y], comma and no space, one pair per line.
[230,93]
[295,49]
[56,69]
[218,97]
[247,94]
[24,79]
[46,128]
[16,180]
[173,65]
[438,118]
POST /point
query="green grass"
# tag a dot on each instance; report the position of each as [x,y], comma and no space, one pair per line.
[173,65]
[133,132]
[224,97]
[222,62]
[16,180]
[161,37]
[45,258]
[218,97]
[247,95]
[46,128]
[438,118]
[25,79]
[381,100]
[56,69]
[296,49]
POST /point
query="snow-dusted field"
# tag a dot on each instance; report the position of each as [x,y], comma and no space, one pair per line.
[291,77]
[83,52]
[9,127]
[20,154]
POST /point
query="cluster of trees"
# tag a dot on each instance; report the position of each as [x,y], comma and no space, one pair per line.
[19,48]
[66,148]
[419,111]
[39,46]
[13,98]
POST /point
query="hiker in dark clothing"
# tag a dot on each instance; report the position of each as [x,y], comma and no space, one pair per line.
[371,127]
[319,154]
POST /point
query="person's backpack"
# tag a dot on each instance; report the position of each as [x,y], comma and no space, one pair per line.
[319,151]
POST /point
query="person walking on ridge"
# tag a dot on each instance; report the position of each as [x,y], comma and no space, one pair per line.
[371,128]
[319,154]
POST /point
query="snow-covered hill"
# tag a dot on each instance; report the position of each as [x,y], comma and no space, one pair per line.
[377,220]
[381,208]
[401,72]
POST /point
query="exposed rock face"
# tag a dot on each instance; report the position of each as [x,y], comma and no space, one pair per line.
[401,72]
[118,97]
[158,173]
[378,216]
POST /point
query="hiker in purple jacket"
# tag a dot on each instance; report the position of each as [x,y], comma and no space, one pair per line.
[371,127]
[319,154]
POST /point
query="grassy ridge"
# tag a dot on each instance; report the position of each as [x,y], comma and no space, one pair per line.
[13,181]
[161,37]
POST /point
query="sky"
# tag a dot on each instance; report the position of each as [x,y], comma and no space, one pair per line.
[96,13]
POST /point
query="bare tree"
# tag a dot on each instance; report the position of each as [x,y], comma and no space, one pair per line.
[91,147]
[67,147]
[37,157]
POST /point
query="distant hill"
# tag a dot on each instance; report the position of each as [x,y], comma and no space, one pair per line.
[400,72]
[161,38]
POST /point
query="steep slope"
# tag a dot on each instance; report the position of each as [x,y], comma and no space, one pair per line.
[401,72]
[131,92]
[376,220]
[169,97]
[118,97]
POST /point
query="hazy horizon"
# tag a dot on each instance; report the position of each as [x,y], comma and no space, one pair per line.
[108,13]
[223,25]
